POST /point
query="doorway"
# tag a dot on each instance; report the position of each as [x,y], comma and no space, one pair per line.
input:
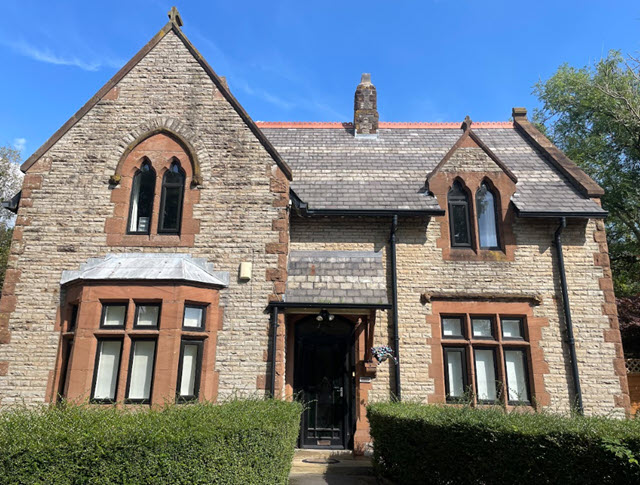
[324,380]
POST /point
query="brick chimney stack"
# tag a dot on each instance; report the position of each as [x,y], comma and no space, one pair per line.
[365,109]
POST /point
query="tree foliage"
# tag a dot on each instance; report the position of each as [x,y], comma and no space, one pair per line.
[10,182]
[593,115]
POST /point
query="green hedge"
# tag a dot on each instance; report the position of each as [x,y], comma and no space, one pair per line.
[416,443]
[239,442]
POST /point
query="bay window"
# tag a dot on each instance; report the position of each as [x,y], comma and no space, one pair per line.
[141,362]
[107,366]
[189,370]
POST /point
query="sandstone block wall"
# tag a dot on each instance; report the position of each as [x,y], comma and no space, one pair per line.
[421,268]
[67,199]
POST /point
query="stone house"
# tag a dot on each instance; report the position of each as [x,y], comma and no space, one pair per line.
[169,248]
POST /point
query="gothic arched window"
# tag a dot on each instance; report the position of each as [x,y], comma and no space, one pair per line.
[171,199]
[142,191]
[487,217]
[459,223]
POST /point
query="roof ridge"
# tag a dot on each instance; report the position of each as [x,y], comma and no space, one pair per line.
[383,124]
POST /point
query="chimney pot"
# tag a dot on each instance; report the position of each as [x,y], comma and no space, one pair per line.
[365,109]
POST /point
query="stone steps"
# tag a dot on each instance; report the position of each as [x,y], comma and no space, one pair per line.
[330,462]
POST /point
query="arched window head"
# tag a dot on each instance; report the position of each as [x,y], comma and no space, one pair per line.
[171,200]
[141,207]
[487,217]
[459,224]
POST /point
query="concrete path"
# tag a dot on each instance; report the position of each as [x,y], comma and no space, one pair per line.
[320,467]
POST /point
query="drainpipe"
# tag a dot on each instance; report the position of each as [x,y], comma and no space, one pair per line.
[274,353]
[394,296]
[567,314]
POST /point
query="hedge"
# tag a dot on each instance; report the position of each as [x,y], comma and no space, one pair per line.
[248,442]
[415,443]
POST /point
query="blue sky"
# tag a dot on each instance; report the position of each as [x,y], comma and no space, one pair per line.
[431,60]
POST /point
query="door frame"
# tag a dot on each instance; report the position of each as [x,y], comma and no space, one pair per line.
[348,419]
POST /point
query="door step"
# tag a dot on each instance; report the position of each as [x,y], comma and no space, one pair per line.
[325,462]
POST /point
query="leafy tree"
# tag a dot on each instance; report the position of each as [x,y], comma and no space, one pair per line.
[593,115]
[10,182]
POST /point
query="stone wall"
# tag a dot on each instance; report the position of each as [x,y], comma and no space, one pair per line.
[67,200]
[533,273]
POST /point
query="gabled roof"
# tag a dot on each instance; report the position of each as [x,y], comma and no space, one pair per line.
[173,25]
[148,267]
[335,172]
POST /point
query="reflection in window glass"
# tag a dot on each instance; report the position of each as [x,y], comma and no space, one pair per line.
[482,327]
[147,315]
[114,315]
[193,316]
[452,327]
[512,328]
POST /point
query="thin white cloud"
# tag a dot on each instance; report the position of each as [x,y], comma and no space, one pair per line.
[45,54]
[19,144]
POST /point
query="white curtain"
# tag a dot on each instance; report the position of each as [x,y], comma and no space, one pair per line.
[451,327]
[193,317]
[454,373]
[147,316]
[485,375]
[141,369]
[135,191]
[189,364]
[114,315]
[108,365]
[486,218]
[514,360]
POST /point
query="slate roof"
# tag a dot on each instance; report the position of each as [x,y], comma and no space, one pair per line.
[336,277]
[333,170]
[146,266]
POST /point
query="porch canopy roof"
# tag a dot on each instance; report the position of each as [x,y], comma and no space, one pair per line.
[336,278]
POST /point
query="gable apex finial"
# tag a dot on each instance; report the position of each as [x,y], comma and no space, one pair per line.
[174,16]
[466,124]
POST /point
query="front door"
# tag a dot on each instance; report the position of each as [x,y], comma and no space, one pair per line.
[323,378]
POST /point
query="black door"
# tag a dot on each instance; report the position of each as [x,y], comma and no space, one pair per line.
[323,379]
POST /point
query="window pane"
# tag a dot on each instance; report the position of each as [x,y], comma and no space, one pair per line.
[148,315]
[171,213]
[459,223]
[187,386]
[193,316]
[516,375]
[452,327]
[108,366]
[485,375]
[73,321]
[141,369]
[114,315]
[142,200]
[512,328]
[482,327]
[455,377]
[486,218]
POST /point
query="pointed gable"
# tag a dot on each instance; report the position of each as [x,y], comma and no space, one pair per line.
[110,91]
[470,154]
